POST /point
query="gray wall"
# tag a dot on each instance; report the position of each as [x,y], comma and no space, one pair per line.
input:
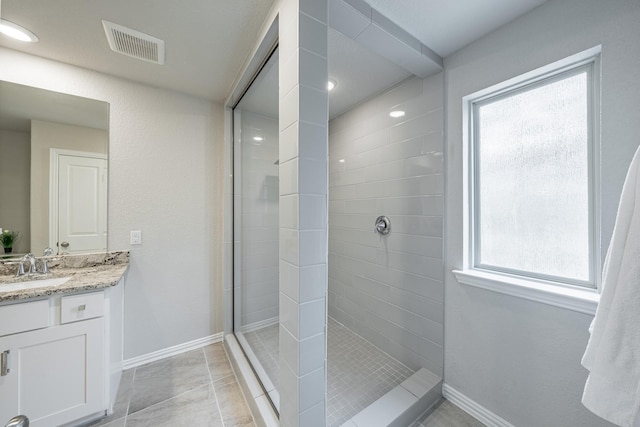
[517,358]
[389,290]
[15,163]
[165,178]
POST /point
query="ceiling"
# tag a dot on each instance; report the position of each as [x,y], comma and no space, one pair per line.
[208,41]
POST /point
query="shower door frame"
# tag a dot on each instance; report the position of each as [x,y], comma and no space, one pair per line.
[263,378]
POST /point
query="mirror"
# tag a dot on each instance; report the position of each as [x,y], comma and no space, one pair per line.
[53,170]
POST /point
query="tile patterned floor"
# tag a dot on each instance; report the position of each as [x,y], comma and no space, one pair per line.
[264,343]
[194,389]
[199,388]
[359,373]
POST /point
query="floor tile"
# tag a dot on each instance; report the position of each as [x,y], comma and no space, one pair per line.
[193,408]
[168,378]
[449,415]
[217,361]
[233,406]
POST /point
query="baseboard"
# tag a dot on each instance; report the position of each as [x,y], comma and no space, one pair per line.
[259,325]
[171,351]
[476,410]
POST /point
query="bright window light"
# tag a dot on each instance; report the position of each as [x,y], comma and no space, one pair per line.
[533,196]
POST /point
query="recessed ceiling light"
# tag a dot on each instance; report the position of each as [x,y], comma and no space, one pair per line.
[341,160]
[331,84]
[396,113]
[258,138]
[17,32]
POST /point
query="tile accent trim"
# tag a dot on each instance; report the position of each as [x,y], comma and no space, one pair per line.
[171,351]
[473,408]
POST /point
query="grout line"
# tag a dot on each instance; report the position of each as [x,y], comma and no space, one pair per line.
[131,385]
[215,394]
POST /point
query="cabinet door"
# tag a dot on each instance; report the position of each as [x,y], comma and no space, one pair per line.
[56,374]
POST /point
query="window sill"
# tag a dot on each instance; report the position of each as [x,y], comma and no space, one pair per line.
[571,298]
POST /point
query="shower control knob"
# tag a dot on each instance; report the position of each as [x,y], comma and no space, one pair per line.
[382,225]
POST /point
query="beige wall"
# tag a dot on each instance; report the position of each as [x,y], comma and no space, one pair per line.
[14,186]
[44,136]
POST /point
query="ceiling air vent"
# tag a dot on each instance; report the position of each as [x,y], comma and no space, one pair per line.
[134,43]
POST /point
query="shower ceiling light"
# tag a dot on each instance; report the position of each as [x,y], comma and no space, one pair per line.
[331,84]
[397,113]
[258,138]
[16,32]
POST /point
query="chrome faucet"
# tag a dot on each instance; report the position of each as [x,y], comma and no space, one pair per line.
[33,266]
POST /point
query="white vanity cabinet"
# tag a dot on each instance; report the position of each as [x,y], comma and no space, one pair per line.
[61,357]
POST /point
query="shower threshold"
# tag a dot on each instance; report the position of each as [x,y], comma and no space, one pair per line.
[361,378]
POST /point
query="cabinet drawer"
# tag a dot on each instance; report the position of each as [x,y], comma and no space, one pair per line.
[23,317]
[81,307]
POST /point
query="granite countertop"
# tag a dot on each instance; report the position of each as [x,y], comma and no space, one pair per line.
[87,272]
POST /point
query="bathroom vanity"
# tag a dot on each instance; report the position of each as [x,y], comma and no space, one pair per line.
[61,343]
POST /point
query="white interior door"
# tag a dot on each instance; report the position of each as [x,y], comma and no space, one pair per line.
[82,204]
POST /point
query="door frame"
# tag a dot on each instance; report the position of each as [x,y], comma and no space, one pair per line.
[54,160]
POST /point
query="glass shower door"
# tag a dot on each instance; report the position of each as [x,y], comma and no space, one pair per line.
[256,226]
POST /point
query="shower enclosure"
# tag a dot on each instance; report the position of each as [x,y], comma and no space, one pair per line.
[255,120]
[385,292]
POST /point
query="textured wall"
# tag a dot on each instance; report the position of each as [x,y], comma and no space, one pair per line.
[389,289]
[518,358]
[15,166]
[165,179]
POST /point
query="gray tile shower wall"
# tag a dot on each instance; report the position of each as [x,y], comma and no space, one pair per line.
[389,289]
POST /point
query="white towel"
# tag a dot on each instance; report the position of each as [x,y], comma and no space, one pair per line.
[613,352]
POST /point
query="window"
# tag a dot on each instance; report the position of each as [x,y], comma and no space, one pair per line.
[532,169]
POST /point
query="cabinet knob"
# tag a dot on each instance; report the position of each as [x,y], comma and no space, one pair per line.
[82,307]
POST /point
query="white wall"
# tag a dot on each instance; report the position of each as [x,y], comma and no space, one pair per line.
[165,178]
[390,289]
[517,358]
[15,160]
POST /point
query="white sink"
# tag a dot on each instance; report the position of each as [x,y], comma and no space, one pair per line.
[42,283]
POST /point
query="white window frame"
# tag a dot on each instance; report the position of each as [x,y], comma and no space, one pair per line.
[572,294]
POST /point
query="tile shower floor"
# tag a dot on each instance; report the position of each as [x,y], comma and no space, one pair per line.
[358,372]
